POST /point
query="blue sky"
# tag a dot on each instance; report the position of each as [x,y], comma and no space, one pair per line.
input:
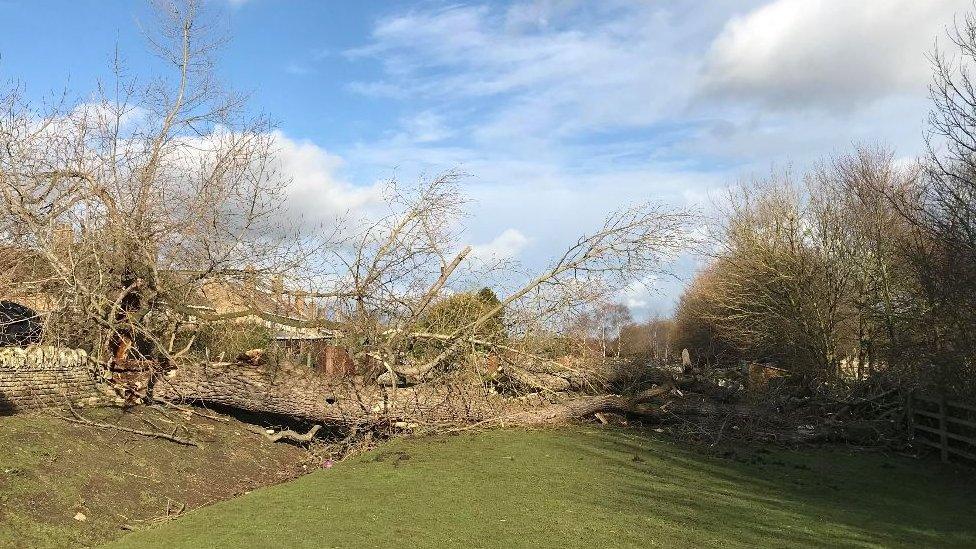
[560,110]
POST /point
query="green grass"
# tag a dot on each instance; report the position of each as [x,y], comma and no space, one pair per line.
[590,487]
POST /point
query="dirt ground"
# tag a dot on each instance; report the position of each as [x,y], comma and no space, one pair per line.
[70,485]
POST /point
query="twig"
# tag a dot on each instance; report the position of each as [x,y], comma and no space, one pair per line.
[721,429]
[151,434]
[190,409]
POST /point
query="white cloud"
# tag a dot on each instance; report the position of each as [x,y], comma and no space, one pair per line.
[565,110]
[107,115]
[508,245]
[836,54]
[425,127]
[316,193]
[298,69]
[556,70]
[638,294]
[758,139]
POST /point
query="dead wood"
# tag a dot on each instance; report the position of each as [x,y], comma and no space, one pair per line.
[587,406]
[293,436]
[309,398]
[536,381]
[108,426]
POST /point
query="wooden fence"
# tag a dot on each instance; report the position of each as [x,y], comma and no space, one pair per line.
[945,425]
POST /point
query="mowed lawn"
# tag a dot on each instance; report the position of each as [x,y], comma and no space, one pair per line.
[590,487]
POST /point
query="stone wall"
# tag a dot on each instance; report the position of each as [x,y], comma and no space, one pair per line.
[41,377]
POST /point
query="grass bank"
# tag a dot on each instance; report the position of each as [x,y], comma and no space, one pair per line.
[590,487]
[52,470]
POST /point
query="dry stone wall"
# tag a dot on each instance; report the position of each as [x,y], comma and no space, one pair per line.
[42,377]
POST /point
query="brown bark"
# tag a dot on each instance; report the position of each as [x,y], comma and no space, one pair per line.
[303,397]
[322,400]
[587,406]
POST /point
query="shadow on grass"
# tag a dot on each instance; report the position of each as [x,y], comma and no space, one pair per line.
[758,497]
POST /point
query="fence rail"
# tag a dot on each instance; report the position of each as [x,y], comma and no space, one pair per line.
[945,425]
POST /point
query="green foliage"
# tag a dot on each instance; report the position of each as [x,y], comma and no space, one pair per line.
[461,309]
[448,314]
[231,339]
[589,488]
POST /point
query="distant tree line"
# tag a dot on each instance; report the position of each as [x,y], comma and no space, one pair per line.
[863,264]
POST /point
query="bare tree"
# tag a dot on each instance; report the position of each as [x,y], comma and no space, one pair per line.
[822,275]
[780,286]
[943,210]
[131,203]
[632,243]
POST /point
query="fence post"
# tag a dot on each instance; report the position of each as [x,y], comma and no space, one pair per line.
[943,437]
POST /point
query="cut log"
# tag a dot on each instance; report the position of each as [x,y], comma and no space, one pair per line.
[535,381]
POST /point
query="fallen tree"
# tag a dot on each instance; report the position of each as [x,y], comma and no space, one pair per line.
[141,239]
[684,401]
[590,405]
[349,402]
[691,406]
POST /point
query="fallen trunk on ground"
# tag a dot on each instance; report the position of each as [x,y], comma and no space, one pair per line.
[586,406]
[346,402]
[254,390]
[319,399]
[459,402]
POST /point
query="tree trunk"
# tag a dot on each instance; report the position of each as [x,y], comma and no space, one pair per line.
[341,402]
[320,399]
[254,390]
[587,406]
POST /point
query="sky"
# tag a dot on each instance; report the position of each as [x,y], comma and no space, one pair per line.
[558,111]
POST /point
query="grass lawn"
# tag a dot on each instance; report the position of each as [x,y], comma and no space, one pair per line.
[589,487]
